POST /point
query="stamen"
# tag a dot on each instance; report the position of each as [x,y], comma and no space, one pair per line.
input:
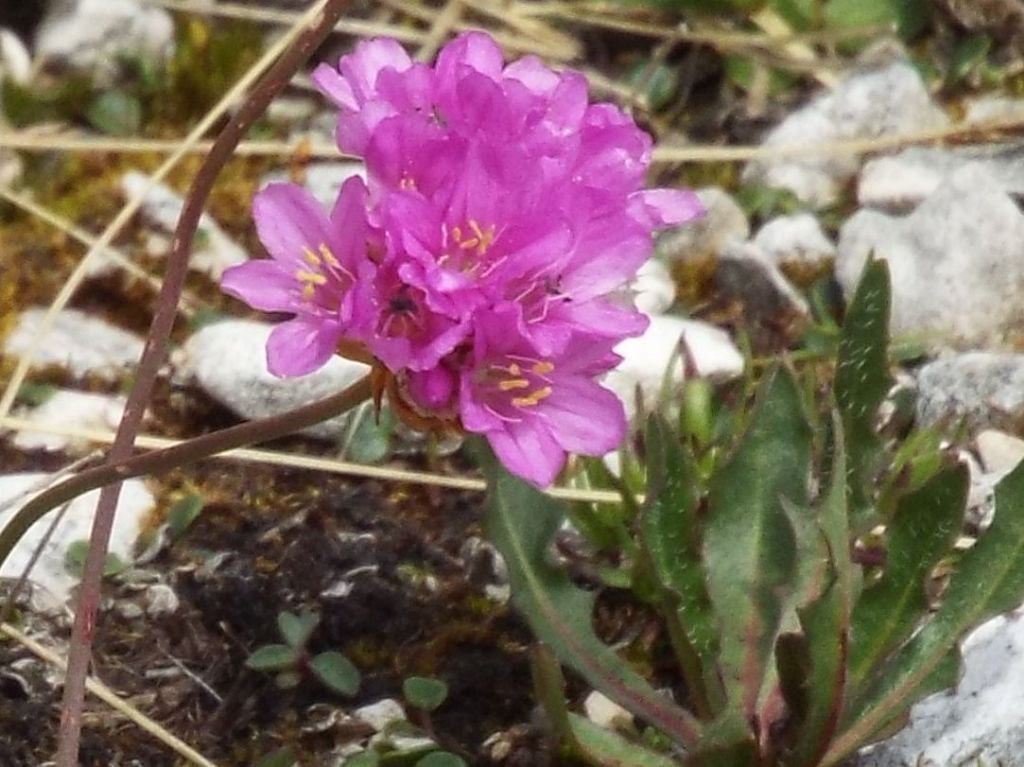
[328,257]
[513,383]
[310,278]
[543,368]
[533,398]
[310,257]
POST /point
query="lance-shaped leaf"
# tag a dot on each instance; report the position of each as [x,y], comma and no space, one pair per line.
[749,543]
[670,535]
[812,665]
[988,580]
[921,532]
[861,382]
[521,522]
[727,742]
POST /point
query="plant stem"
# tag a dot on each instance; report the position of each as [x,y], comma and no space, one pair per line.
[175,456]
[274,81]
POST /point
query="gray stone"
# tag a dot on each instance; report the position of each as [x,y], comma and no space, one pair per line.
[213,250]
[92,34]
[980,389]
[654,291]
[15,61]
[890,99]
[76,341]
[723,224]
[900,182]
[794,239]
[980,722]
[957,262]
[72,410]
[246,387]
[380,714]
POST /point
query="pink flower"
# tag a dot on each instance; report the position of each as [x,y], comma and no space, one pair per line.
[317,263]
[484,263]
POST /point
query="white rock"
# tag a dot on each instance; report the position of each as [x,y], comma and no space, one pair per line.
[246,387]
[654,290]
[92,34]
[797,238]
[161,599]
[646,359]
[979,389]
[213,250]
[723,224]
[900,182]
[15,61]
[999,452]
[323,179]
[606,713]
[980,722]
[135,504]
[69,410]
[957,261]
[76,341]
[891,99]
[380,714]
[993,107]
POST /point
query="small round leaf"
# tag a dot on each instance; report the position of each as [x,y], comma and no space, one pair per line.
[424,692]
[336,671]
[272,657]
[368,758]
[441,759]
[297,629]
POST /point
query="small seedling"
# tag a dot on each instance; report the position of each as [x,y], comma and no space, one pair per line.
[292,660]
[424,693]
[74,560]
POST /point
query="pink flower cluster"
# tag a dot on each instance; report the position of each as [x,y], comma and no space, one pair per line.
[482,261]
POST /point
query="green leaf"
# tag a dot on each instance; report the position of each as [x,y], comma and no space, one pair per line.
[861,383]
[910,16]
[521,522]
[272,657]
[988,580]
[115,113]
[669,532]
[424,692]
[297,629]
[441,759]
[35,394]
[336,671]
[372,436]
[812,665]
[749,542]
[76,554]
[609,749]
[968,54]
[659,82]
[368,758]
[921,532]
[727,742]
[283,757]
[183,513]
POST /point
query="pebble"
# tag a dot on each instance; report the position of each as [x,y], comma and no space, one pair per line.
[900,182]
[723,224]
[246,387]
[978,723]
[15,60]
[161,599]
[980,389]
[795,239]
[71,410]
[654,290]
[94,34]
[868,104]
[957,262]
[606,713]
[213,250]
[322,179]
[646,358]
[80,343]
[998,451]
[50,573]
[380,714]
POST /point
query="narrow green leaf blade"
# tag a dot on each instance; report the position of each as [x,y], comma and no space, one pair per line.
[988,580]
[728,742]
[749,543]
[861,383]
[922,531]
[609,749]
[521,522]
[670,535]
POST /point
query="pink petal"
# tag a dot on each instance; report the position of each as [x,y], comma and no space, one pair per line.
[475,50]
[658,208]
[289,220]
[300,346]
[528,450]
[263,284]
[369,59]
[334,86]
[585,417]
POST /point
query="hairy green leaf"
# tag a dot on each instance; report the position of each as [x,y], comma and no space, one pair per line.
[521,522]
[921,532]
[861,382]
[749,542]
[669,533]
[988,580]
[727,742]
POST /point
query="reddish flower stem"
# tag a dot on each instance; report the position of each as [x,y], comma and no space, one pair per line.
[275,80]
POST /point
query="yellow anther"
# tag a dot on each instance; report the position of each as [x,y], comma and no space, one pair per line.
[533,398]
[513,383]
[515,370]
[310,278]
[310,257]
[543,368]
[484,237]
[308,291]
[457,234]
[328,257]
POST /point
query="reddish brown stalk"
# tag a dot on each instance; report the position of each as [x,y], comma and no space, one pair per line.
[275,80]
